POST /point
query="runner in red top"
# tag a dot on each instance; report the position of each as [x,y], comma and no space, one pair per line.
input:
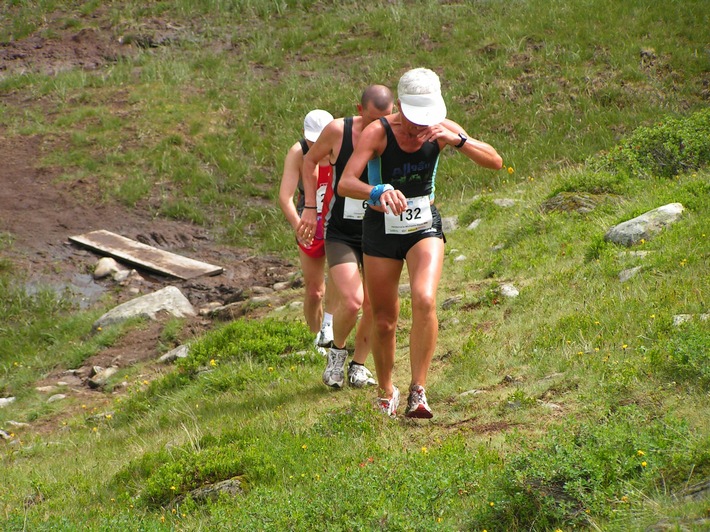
[312,250]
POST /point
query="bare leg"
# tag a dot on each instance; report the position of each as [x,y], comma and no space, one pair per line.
[382,280]
[314,281]
[330,301]
[424,264]
[346,277]
[364,331]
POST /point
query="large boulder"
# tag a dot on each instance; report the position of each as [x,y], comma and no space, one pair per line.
[170,299]
[645,226]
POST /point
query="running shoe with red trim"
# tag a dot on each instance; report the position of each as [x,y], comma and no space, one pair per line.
[417,407]
[389,406]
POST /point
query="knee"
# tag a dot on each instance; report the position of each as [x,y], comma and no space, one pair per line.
[351,304]
[384,325]
[423,303]
[315,291]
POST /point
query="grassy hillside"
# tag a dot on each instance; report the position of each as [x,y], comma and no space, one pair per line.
[579,404]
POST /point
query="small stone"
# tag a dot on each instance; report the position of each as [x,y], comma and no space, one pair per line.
[5,401]
[508,290]
[56,397]
[474,224]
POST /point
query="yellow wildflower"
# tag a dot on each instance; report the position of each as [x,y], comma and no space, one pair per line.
[213,362]
[640,453]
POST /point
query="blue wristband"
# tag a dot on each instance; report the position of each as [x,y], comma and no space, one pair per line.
[377,191]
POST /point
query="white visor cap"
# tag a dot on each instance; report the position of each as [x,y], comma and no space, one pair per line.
[423,109]
[314,123]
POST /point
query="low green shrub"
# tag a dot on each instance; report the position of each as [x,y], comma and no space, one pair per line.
[594,467]
[593,182]
[264,341]
[158,478]
[683,356]
[664,150]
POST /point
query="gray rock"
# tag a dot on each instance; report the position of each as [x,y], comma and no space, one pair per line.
[261,290]
[474,224]
[571,202]
[100,379]
[56,397]
[508,290]
[641,254]
[209,307]
[261,300]
[5,401]
[121,276]
[504,202]
[645,226]
[449,223]
[171,356]
[680,319]
[470,392]
[628,274]
[460,258]
[231,487]
[169,299]
[451,302]
[106,266]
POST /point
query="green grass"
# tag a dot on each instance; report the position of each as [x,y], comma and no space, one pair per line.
[577,405]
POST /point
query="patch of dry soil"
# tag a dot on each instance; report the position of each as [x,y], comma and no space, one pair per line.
[38,213]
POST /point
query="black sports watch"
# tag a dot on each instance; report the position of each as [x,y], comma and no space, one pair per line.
[463,138]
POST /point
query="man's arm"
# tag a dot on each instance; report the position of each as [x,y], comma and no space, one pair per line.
[371,144]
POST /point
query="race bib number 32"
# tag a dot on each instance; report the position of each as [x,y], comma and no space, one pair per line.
[416,217]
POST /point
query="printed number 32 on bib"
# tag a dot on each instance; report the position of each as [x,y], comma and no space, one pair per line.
[416,217]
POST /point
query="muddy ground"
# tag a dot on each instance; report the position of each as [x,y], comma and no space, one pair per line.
[38,213]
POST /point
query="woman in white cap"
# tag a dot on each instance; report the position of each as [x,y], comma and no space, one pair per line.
[312,255]
[401,223]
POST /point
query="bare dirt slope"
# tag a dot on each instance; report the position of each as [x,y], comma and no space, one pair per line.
[38,212]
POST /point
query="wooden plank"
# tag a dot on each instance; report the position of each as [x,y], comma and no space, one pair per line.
[144,256]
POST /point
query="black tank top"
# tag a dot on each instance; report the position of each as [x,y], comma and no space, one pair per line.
[300,200]
[412,173]
[337,227]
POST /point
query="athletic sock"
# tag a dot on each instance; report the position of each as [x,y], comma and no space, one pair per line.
[327,320]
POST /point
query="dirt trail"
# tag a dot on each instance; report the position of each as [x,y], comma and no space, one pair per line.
[39,211]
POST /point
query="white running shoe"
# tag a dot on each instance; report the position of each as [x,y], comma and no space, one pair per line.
[324,337]
[389,406]
[334,374]
[359,376]
[417,406]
